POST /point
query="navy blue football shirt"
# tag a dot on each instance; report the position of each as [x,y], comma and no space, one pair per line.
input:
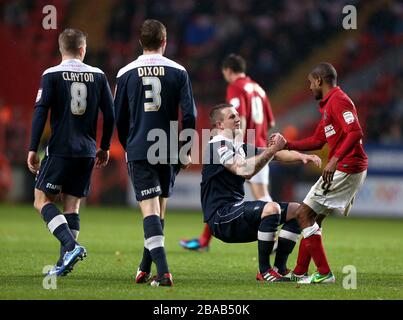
[73,92]
[219,186]
[149,92]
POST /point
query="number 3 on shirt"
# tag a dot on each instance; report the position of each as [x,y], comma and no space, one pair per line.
[154,93]
[78,102]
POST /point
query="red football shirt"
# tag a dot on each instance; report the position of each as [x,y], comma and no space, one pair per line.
[341,130]
[251,102]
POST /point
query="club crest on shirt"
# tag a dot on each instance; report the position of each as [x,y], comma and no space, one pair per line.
[348,117]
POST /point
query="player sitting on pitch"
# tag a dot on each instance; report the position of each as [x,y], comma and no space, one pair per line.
[254,108]
[227,164]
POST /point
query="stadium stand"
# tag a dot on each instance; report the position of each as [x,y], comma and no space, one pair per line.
[277,38]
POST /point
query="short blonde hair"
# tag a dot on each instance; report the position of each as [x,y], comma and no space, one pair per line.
[71,40]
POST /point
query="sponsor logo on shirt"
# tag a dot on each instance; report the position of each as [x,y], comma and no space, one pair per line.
[329,130]
[348,117]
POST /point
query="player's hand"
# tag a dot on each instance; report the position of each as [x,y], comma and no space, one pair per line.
[306,158]
[276,142]
[329,170]
[33,162]
[101,158]
[187,162]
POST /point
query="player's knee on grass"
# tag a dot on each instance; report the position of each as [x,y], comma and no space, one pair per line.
[271,208]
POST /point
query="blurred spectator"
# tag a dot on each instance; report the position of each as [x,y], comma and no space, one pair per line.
[273,36]
[15,13]
[393,135]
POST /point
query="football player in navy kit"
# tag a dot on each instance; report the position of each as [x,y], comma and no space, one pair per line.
[149,92]
[227,164]
[73,92]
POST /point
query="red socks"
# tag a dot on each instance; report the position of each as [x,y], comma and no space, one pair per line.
[304,258]
[315,248]
[205,236]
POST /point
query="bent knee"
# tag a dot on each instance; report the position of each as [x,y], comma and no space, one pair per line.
[271,208]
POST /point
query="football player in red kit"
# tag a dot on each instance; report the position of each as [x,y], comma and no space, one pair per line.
[342,177]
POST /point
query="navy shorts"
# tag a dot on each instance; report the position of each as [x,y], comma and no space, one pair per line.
[239,222]
[152,180]
[67,175]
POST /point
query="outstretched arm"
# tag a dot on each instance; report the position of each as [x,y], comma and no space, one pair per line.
[295,156]
[247,168]
[314,142]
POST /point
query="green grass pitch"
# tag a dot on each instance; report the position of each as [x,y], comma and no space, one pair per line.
[114,240]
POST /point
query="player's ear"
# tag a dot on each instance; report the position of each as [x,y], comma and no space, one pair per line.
[163,45]
[82,52]
[320,81]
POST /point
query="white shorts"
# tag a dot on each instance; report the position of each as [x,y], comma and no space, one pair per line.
[262,176]
[338,197]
